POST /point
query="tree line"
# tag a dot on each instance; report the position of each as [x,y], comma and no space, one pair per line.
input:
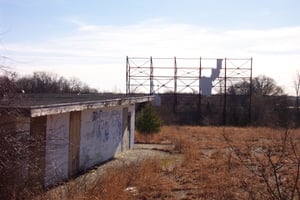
[270,105]
[256,102]
[261,102]
[41,82]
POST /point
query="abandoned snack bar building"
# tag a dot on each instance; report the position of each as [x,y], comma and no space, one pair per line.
[73,132]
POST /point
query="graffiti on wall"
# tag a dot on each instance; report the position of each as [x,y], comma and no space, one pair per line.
[116,122]
[101,136]
[107,125]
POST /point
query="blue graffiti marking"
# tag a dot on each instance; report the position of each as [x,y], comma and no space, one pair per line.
[106,132]
[98,131]
[117,124]
[119,129]
[96,118]
[96,115]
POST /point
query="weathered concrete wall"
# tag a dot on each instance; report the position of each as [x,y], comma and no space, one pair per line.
[131,111]
[125,125]
[103,133]
[57,148]
[101,136]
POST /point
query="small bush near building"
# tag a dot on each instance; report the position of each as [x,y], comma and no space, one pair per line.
[147,121]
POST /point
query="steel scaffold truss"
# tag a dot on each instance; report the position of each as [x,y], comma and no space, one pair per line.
[185,75]
[201,76]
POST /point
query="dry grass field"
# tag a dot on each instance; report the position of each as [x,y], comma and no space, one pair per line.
[218,163]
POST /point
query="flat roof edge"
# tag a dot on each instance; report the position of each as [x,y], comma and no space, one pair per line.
[36,111]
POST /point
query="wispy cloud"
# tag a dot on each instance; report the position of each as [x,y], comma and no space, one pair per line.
[96,53]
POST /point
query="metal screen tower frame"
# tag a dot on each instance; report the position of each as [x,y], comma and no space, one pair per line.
[149,75]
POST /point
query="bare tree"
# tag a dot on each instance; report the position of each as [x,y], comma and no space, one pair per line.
[273,167]
[263,85]
[269,104]
[297,90]
[44,82]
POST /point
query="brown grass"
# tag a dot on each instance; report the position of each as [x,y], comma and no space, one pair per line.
[136,181]
[210,170]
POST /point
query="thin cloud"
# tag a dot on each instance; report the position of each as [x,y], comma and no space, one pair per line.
[91,46]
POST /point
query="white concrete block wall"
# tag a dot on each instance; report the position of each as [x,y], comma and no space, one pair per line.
[57,148]
[131,109]
[101,136]
[100,139]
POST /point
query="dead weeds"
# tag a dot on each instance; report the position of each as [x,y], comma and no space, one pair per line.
[210,169]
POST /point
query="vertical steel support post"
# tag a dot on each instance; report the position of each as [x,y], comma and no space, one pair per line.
[200,92]
[151,77]
[127,76]
[225,95]
[175,85]
[175,76]
[250,93]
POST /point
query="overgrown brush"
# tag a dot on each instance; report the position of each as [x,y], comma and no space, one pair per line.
[272,166]
[211,169]
[268,167]
[144,180]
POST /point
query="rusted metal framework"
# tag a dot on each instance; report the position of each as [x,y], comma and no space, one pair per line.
[202,76]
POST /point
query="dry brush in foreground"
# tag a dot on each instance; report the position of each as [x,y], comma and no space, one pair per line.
[219,163]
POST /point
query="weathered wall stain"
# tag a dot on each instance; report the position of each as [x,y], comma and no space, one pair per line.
[57,148]
[101,136]
[117,123]
[106,124]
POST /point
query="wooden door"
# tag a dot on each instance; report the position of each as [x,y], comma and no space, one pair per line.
[74,145]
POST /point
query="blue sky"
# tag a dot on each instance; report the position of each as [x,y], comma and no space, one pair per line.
[90,39]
